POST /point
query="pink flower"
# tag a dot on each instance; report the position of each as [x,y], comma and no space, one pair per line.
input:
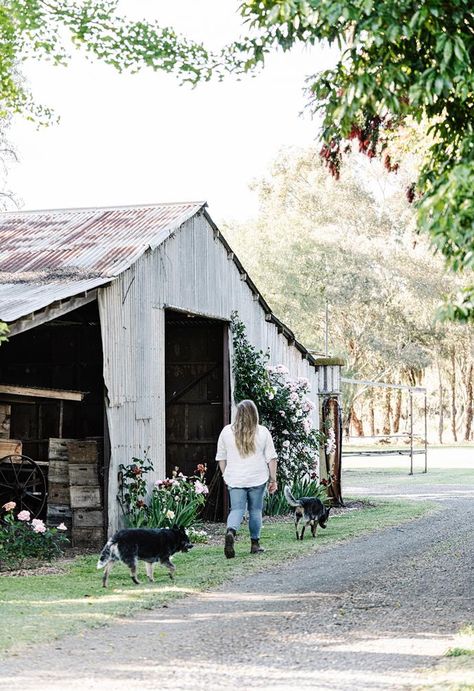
[24,516]
[199,488]
[38,525]
[61,526]
[9,506]
[331,442]
[286,443]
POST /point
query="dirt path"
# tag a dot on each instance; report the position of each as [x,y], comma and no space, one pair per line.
[373,613]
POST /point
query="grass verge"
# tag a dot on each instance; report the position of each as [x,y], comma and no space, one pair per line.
[392,476]
[39,608]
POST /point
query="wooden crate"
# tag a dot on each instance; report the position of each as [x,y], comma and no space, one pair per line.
[58,493]
[58,471]
[10,447]
[85,518]
[58,460]
[88,537]
[5,411]
[82,452]
[85,497]
[58,449]
[59,513]
[84,474]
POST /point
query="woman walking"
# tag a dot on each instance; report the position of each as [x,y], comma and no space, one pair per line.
[247,459]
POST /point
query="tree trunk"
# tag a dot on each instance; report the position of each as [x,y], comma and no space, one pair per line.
[372,416]
[453,394]
[347,424]
[441,406]
[357,422]
[387,412]
[469,403]
[398,412]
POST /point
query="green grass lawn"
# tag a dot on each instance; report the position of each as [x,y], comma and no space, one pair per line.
[38,608]
[367,477]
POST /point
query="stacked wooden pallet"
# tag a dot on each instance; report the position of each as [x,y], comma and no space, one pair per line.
[5,412]
[74,495]
[86,501]
[59,496]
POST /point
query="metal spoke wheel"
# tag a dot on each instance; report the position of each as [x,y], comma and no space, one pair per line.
[22,481]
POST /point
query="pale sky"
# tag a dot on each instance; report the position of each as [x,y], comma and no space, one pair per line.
[132,139]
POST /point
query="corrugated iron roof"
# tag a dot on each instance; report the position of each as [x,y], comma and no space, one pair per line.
[47,256]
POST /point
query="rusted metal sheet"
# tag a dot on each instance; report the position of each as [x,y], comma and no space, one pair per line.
[47,256]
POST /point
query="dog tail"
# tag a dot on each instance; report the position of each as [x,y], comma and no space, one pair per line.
[290,498]
[109,553]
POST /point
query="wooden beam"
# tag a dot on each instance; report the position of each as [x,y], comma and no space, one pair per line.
[51,312]
[383,385]
[57,394]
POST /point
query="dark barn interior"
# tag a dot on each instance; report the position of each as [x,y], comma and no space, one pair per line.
[197,397]
[62,354]
[51,389]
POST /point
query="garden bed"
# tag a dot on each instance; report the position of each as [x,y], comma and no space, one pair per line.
[215,532]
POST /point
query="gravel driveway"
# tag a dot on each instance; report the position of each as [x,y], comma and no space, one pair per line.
[373,613]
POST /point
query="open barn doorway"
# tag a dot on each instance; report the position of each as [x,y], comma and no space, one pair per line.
[52,416]
[197,398]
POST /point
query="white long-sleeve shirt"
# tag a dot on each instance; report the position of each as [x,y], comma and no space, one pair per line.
[249,471]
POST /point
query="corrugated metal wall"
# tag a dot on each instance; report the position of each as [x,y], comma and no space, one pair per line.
[191,271]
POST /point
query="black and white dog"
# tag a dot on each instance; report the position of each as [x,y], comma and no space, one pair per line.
[149,545]
[312,510]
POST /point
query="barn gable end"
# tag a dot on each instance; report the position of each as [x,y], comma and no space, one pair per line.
[191,271]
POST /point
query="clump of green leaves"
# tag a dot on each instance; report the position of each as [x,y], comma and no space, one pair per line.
[48,30]
[309,486]
[173,501]
[133,488]
[178,500]
[398,61]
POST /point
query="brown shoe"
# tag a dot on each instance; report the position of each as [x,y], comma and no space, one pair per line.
[255,548]
[229,543]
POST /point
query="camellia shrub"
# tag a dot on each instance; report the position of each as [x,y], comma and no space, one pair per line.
[23,538]
[285,408]
[283,405]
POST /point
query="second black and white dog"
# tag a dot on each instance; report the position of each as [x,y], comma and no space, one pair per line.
[310,509]
[149,545]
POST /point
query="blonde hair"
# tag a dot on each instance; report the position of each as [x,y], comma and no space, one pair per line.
[245,427]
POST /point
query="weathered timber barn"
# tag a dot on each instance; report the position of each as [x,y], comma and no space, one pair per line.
[119,346]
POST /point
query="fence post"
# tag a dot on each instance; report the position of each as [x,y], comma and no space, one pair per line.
[411,432]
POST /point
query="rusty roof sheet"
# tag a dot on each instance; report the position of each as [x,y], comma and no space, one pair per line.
[47,256]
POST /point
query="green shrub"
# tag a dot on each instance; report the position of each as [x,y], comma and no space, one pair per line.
[23,538]
[276,504]
[177,500]
[133,489]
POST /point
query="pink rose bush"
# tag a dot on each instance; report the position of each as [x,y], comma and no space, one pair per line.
[24,538]
[175,500]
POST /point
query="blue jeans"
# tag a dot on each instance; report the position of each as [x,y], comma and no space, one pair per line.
[240,498]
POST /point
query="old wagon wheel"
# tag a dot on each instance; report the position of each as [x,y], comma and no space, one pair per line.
[22,481]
